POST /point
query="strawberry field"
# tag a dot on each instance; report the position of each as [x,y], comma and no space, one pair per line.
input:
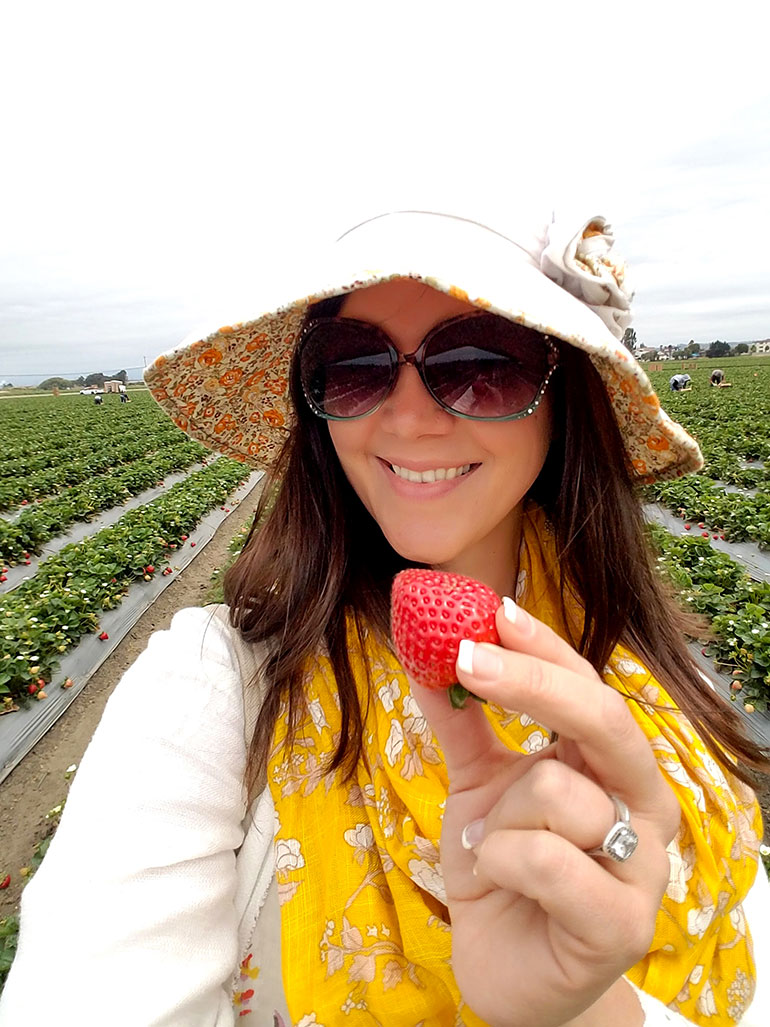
[725,515]
[66,462]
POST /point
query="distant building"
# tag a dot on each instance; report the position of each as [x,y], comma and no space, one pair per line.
[761,347]
[113,386]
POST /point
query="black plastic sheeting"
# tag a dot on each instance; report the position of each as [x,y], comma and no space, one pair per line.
[22,730]
[84,529]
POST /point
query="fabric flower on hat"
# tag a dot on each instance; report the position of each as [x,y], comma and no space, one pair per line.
[583,263]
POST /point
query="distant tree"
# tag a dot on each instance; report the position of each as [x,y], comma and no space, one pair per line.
[742,347]
[80,381]
[121,376]
[629,340]
[97,378]
[55,383]
[692,348]
[718,349]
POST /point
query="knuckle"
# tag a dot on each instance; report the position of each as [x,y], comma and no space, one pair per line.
[539,678]
[548,855]
[615,716]
[549,783]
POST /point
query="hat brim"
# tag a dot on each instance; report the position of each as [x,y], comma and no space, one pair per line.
[229,388]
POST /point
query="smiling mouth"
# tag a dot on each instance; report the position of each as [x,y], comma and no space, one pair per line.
[435,474]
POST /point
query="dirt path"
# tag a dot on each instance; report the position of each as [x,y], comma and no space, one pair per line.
[38,783]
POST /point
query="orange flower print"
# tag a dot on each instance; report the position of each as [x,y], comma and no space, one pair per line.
[160,394]
[274,418]
[640,466]
[188,409]
[652,401]
[227,423]
[258,342]
[210,357]
[231,377]
[277,386]
[658,443]
[181,422]
[255,418]
[226,330]
[626,386]
[237,439]
[160,361]
[253,448]
[255,378]
[209,411]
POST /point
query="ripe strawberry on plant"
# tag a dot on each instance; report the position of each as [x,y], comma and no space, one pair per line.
[431,612]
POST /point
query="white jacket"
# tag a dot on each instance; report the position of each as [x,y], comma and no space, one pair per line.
[158,882]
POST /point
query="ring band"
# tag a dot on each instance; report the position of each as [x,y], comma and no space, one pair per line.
[621,839]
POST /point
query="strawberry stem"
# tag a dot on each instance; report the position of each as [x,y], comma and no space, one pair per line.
[458,694]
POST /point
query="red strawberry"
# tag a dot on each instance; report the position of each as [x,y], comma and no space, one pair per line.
[687,527]
[705,534]
[184,538]
[5,881]
[150,569]
[32,688]
[104,636]
[431,612]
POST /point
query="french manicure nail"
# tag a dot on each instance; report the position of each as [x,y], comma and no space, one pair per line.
[472,834]
[516,615]
[471,659]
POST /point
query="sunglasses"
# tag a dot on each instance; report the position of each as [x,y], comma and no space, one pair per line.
[478,365]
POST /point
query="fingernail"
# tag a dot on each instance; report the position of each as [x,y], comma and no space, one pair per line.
[515,615]
[482,663]
[472,834]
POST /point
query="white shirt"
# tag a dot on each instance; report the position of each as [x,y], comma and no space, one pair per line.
[157,883]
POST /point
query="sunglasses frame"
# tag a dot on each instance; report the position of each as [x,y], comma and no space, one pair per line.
[416,360]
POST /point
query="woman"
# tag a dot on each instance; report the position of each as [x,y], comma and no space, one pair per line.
[456,399]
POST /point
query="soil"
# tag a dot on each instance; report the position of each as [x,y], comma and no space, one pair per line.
[38,784]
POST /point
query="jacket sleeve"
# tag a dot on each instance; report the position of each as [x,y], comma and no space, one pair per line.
[130,919]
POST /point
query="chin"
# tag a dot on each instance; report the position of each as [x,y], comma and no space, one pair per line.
[432,552]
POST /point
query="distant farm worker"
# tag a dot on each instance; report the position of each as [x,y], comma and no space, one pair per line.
[97,400]
[718,378]
[680,383]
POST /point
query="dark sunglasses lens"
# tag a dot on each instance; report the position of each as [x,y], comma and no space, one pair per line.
[486,366]
[346,368]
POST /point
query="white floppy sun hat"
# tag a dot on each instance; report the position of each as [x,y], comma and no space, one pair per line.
[229,389]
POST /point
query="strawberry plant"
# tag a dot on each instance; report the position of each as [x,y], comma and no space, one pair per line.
[47,615]
[738,607]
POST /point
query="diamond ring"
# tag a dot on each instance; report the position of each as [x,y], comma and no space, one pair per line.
[621,839]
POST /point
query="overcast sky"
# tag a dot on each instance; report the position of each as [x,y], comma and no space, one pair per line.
[164,164]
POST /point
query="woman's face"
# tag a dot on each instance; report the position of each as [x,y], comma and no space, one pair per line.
[468,523]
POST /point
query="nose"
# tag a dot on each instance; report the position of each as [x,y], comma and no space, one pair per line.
[410,409]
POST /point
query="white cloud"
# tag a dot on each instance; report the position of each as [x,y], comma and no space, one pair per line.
[172,160]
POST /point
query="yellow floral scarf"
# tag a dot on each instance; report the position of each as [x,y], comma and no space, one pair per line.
[364,925]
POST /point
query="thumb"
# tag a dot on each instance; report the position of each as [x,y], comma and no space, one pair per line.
[465,736]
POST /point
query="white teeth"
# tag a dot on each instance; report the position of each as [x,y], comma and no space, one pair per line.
[439,474]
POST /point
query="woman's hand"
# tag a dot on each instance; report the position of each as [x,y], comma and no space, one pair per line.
[540,930]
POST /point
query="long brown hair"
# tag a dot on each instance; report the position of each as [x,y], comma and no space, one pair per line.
[319,560]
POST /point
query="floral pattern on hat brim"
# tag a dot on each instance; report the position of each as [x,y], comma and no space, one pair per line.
[230,390]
